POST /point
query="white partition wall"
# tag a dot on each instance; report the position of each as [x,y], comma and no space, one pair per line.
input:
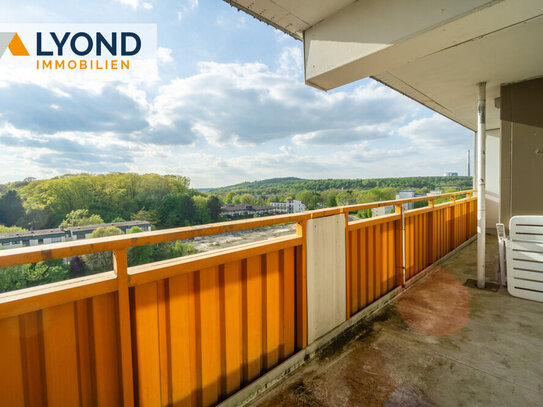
[326,289]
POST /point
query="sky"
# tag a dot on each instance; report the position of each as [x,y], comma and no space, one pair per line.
[227,104]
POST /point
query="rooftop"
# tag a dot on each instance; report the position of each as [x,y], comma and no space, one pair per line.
[439,343]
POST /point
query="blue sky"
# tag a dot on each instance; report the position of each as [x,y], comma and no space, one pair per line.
[228,105]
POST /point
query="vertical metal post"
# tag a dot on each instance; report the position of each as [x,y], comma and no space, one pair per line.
[399,209]
[475,160]
[481,189]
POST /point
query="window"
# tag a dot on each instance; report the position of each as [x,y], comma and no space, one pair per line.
[5,243]
[81,236]
[56,239]
[40,241]
[26,243]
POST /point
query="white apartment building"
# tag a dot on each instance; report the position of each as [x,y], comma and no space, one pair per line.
[290,206]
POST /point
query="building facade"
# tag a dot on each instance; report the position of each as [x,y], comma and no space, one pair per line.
[290,206]
[49,236]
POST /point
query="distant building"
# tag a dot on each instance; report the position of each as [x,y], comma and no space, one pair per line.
[290,206]
[408,193]
[48,236]
[246,210]
[435,192]
[450,174]
[383,210]
[84,232]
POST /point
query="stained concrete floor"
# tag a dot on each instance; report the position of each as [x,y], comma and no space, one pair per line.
[439,344]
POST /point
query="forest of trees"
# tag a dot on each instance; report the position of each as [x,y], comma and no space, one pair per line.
[317,194]
[292,185]
[165,201]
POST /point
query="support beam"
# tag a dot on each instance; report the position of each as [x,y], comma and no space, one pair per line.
[481,189]
[475,160]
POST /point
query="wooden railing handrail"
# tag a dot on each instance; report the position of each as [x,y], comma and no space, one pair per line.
[33,254]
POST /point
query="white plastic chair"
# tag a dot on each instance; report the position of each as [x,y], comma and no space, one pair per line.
[523,257]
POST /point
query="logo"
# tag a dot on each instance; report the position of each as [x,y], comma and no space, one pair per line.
[66,51]
[14,43]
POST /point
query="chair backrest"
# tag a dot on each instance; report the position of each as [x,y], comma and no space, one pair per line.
[526,228]
[525,257]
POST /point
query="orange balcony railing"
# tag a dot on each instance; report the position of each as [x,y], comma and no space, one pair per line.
[196,329]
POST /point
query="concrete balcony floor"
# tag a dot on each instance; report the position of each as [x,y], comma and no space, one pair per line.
[439,344]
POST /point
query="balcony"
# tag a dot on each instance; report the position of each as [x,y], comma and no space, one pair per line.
[438,344]
[217,326]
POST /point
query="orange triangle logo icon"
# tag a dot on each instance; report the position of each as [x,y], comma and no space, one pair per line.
[17,47]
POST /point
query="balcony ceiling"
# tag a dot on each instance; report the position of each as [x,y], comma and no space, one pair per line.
[291,17]
[434,54]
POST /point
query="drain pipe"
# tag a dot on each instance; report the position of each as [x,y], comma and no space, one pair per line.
[481,189]
[474,179]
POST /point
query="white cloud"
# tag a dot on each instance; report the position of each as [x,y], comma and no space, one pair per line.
[192,4]
[164,55]
[436,131]
[342,135]
[291,62]
[135,4]
[131,3]
[248,104]
[187,7]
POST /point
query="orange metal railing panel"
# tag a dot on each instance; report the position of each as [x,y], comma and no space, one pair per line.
[374,247]
[62,355]
[223,327]
[371,260]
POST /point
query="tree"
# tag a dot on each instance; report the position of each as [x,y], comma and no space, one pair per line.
[118,219]
[146,216]
[35,218]
[140,254]
[214,207]
[80,217]
[77,267]
[229,197]
[247,199]
[170,250]
[11,229]
[29,275]
[99,262]
[177,210]
[179,249]
[202,214]
[11,208]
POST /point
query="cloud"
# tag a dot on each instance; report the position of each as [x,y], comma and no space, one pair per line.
[249,104]
[40,110]
[164,55]
[187,7]
[136,4]
[65,152]
[342,135]
[436,131]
